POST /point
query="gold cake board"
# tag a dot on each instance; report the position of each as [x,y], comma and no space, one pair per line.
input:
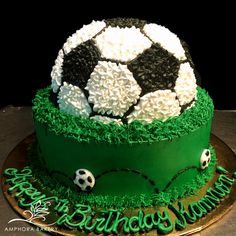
[225,157]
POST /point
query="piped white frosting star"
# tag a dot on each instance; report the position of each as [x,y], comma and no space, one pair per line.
[167,39]
[85,33]
[112,88]
[56,73]
[106,120]
[160,104]
[185,85]
[122,44]
[72,100]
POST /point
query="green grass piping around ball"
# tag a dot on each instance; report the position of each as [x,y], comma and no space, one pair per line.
[89,130]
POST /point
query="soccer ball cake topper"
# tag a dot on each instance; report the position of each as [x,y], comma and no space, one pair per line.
[124,70]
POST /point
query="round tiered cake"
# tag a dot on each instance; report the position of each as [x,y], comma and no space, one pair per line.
[123,138]
[124,107]
[123,125]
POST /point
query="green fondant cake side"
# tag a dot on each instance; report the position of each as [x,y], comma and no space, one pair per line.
[157,162]
[145,166]
[164,198]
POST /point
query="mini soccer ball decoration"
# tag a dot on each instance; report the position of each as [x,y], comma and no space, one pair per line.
[205,158]
[123,70]
[84,179]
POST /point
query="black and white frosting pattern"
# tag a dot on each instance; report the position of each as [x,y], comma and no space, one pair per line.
[169,41]
[117,70]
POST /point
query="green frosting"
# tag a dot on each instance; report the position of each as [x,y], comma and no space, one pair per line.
[221,170]
[150,159]
[142,156]
[145,167]
[164,198]
[234,174]
[88,130]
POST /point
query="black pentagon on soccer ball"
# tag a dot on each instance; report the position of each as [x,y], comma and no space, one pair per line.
[125,22]
[79,64]
[89,179]
[81,172]
[81,181]
[155,69]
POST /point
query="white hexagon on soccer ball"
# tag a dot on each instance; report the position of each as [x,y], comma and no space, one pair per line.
[122,44]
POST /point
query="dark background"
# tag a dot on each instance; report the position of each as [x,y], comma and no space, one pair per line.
[32,35]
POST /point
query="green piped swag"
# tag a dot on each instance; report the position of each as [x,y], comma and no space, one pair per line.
[85,218]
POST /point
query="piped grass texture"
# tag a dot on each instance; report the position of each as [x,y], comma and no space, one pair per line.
[164,198]
[89,130]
